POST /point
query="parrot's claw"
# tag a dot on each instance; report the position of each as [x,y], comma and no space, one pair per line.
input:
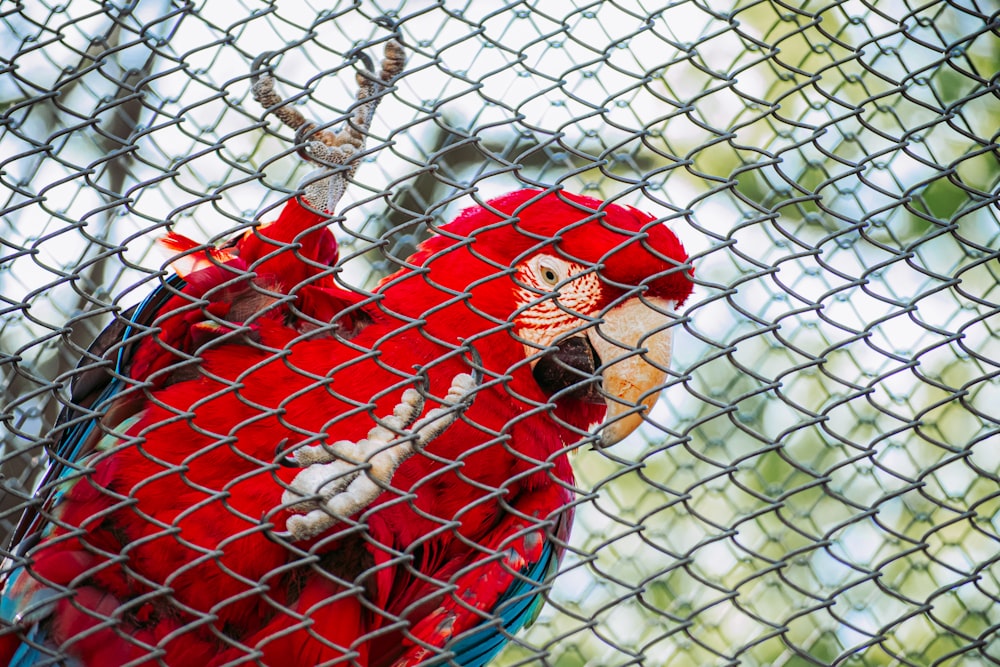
[334,152]
[345,477]
[262,88]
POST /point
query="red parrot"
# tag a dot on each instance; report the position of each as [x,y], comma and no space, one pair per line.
[253,478]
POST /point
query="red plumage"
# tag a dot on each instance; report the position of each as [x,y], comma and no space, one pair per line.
[173,534]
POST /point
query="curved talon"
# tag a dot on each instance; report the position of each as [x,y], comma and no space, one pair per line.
[364,58]
[285,460]
[476,365]
[303,139]
[257,66]
[386,21]
[304,132]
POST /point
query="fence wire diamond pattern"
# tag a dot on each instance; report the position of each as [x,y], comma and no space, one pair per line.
[818,481]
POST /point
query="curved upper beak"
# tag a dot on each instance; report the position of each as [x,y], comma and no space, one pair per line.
[634,344]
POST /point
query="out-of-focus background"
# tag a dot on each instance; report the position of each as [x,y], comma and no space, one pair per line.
[818,483]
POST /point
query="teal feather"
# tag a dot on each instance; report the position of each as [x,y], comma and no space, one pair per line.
[518,607]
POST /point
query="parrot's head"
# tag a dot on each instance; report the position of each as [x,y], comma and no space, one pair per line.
[586,290]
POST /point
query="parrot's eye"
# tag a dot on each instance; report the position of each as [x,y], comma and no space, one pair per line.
[548,274]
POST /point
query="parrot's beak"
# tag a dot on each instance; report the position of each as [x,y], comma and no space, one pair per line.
[634,343]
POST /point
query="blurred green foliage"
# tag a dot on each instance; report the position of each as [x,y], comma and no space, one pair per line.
[819,482]
[830,494]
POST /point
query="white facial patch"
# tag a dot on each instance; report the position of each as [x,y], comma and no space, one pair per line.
[555,297]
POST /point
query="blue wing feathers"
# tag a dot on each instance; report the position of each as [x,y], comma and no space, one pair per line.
[85,412]
[517,607]
[23,601]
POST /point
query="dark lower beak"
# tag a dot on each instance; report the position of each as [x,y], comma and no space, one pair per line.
[570,371]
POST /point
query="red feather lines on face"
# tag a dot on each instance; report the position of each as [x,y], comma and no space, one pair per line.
[540,317]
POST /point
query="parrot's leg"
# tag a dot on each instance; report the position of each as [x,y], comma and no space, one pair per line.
[345,477]
[335,152]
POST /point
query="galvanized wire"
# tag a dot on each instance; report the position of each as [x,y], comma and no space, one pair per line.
[818,483]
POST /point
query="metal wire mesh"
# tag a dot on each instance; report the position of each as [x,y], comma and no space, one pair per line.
[818,482]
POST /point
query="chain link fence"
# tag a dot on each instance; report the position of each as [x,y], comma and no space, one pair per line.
[818,482]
